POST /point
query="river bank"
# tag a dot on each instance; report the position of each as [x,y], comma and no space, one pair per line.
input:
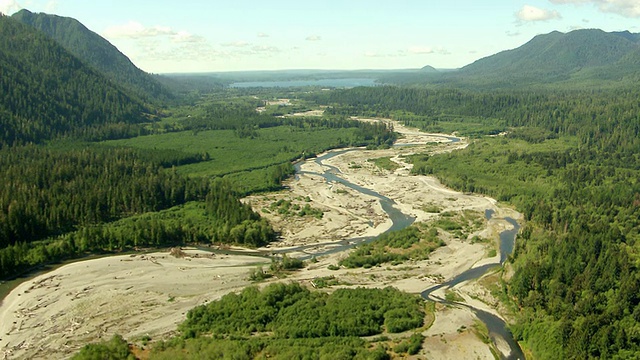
[54,314]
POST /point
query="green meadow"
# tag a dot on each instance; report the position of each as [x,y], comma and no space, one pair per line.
[230,153]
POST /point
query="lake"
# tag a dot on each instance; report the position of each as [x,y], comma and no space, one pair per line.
[338,83]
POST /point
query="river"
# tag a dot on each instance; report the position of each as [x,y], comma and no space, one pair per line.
[498,329]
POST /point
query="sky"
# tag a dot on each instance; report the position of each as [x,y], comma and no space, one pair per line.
[169,36]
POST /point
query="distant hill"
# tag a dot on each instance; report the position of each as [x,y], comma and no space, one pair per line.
[558,57]
[428,68]
[95,51]
[576,59]
[45,91]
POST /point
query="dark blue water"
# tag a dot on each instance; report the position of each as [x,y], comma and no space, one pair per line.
[508,240]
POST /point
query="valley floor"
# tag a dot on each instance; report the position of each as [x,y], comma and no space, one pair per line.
[53,315]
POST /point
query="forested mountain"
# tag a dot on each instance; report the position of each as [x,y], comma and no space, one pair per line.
[558,56]
[95,51]
[557,53]
[573,60]
[45,91]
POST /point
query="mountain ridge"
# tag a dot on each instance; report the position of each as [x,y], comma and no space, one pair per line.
[558,53]
[45,91]
[96,51]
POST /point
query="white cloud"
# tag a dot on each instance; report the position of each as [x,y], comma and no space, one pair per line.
[421,50]
[531,13]
[51,7]
[186,37]
[135,30]
[262,35]
[152,45]
[9,7]
[242,48]
[626,8]
[314,38]
[237,44]
[264,49]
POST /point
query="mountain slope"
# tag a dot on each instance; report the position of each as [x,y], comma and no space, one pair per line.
[578,59]
[555,56]
[95,51]
[45,91]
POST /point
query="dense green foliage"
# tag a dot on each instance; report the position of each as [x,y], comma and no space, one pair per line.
[46,92]
[241,116]
[576,261]
[48,191]
[385,163]
[601,120]
[241,348]
[570,163]
[410,346]
[58,201]
[114,349]
[70,195]
[96,52]
[290,208]
[261,162]
[412,243]
[286,263]
[285,321]
[279,308]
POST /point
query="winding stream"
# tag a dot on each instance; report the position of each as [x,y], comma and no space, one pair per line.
[332,174]
[498,330]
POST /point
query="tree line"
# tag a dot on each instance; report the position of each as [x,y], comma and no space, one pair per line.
[573,174]
[604,119]
[57,204]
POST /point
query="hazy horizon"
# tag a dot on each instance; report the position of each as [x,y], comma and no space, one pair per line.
[197,36]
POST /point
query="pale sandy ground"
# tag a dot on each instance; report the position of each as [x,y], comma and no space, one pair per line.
[54,314]
[451,336]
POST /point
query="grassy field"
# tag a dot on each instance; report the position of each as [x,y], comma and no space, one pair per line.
[230,153]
